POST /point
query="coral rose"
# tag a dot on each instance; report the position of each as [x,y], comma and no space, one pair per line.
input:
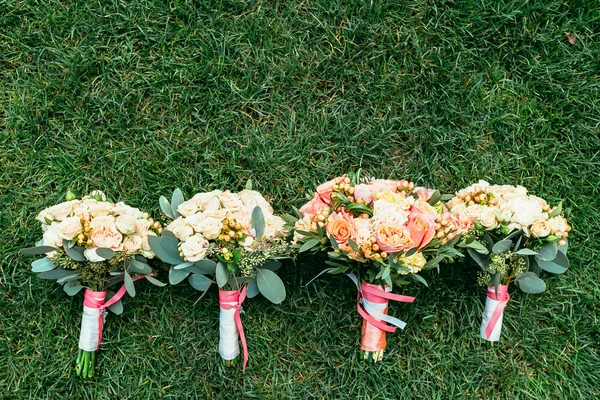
[421,228]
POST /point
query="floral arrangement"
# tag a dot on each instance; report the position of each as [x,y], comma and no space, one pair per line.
[381,233]
[233,237]
[94,244]
[512,236]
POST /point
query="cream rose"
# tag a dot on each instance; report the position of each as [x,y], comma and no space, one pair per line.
[390,213]
[70,227]
[540,229]
[52,236]
[60,211]
[209,227]
[126,224]
[121,208]
[252,198]
[188,208]
[133,244]
[180,229]
[487,217]
[472,212]
[364,231]
[526,211]
[274,227]
[194,248]
[230,200]
[208,201]
[557,225]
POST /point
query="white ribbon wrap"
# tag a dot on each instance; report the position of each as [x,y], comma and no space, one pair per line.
[89,335]
[490,308]
[229,347]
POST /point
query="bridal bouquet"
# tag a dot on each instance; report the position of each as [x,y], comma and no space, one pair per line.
[233,238]
[381,233]
[94,244]
[512,236]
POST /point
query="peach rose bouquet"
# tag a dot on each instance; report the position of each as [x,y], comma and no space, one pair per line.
[231,239]
[381,233]
[512,236]
[94,244]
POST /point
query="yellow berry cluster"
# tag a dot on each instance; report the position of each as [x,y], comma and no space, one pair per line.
[231,232]
[372,251]
[83,239]
[478,196]
[444,229]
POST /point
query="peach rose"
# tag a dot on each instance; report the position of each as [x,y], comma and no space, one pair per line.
[106,234]
[421,228]
[341,226]
[393,238]
[313,206]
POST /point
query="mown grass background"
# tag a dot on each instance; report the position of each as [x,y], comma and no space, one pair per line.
[139,97]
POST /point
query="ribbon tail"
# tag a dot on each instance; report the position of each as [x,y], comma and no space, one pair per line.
[238,323]
[384,317]
[497,313]
[373,321]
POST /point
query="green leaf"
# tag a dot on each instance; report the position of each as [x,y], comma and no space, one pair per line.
[206,266]
[252,289]
[271,265]
[183,265]
[177,275]
[334,243]
[37,250]
[270,285]
[42,265]
[72,288]
[420,279]
[129,284]
[155,281]
[237,254]
[139,267]
[199,282]
[238,282]
[156,246]
[435,197]
[176,200]
[483,261]
[353,244]
[165,207]
[476,245]
[309,244]
[557,211]
[221,274]
[551,267]
[410,252]
[527,252]
[530,283]
[249,184]
[105,253]
[502,246]
[447,197]
[547,252]
[258,222]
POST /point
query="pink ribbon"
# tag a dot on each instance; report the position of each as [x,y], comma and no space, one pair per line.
[503,298]
[237,297]
[376,295]
[95,300]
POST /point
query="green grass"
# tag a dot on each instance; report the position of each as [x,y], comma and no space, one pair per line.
[139,97]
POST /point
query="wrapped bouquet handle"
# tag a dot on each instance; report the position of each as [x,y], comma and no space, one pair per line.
[491,320]
[230,324]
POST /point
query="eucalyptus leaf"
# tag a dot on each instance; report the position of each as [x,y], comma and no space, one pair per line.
[76,253]
[252,289]
[530,283]
[221,274]
[199,282]
[171,247]
[547,252]
[72,288]
[272,265]
[206,266]
[129,284]
[481,260]
[410,252]
[37,250]
[177,275]
[42,265]
[249,184]
[258,222]
[527,252]
[476,245]
[502,246]
[239,281]
[183,265]
[55,273]
[551,267]
[155,281]
[156,246]
[105,253]
[67,278]
[169,234]
[176,201]
[565,248]
[116,308]
[435,198]
[165,207]
[139,267]
[270,285]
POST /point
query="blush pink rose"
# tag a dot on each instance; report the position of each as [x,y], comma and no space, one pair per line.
[393,238]
[421,228]
[424,193]
[362,192]
[107,236]
[324,190]
[313,206]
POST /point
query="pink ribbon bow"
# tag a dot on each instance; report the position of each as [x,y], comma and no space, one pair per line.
[503,298]
[95,300]
[237,297]
[376,295]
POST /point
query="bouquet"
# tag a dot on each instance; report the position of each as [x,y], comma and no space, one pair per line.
[381,233]
[94,244]
[512,236]
[236,239]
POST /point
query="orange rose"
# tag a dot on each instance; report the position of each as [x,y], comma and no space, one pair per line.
[341,226]
[393,238]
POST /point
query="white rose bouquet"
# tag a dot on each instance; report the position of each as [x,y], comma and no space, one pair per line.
[94,244]
[233,238]
[512,236]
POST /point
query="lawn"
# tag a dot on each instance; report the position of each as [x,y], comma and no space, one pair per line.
[139,97]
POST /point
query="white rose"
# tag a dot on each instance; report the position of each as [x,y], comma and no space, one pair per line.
[487,217]
[274,227]
[132,244]
[219,214]
[526,211]
[126,224]
[540,229]
[508,191]
[390,213]
[188,208]
[70,227]
[208,201]
[514,226]
[194,248]
[60,211]
[121,208]
[557,225]
[105,233]
[180,229]
[52,237]
[472,212]
[252,198]
[209,227]
[503,213]
[230,200]
[142,225]
[90,254]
